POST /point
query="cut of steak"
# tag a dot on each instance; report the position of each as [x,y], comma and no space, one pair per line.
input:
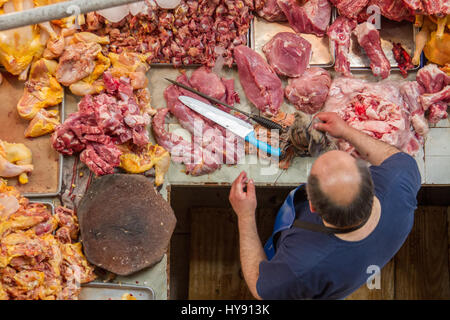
[269,10]
[369,38]
[349,8]
[312,17]
[260,82]
[340,33]
[310,91]
[288,54]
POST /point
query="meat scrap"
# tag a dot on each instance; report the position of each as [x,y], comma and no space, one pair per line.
[403,59]
[102,122]
[340,33]
[310,91]
[269,10]
[311,17]
[369,38]
[411,91]
[288,54]
[260,82]
[185,35]
[349,8]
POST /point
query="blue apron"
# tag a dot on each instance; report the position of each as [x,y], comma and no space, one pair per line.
[284,220]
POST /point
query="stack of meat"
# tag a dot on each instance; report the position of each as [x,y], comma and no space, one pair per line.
[102,122]
[186,35]
[211,145]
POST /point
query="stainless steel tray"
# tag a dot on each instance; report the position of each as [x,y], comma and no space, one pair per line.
[391,31]
[48,203]
[114,291]
[322,55]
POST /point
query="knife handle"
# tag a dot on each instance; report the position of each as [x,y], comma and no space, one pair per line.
[267,123]
[251,138]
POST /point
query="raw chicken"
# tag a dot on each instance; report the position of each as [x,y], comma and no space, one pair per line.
[261,84]
[269,10]
[41,90]
[311,17]
[15,160]
[77,62]
[43,123]
[369,38]
[349,8]
[340,33]
[310,91]
[288,54]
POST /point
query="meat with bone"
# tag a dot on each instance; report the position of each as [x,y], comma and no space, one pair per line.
[376,108]
[369,38]
[310,91]
[288,54]
[269,10]
[311,17]
[432,79]
[340,33]
[442,97]
[429,7]
[260,82]
[411,91]
[349,8]
[102,122]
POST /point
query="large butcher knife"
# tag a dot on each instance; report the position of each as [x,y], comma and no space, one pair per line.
[229,122]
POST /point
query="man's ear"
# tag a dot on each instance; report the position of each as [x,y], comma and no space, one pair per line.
[311,207]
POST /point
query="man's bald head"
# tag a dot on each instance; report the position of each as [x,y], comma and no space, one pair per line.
[340,189]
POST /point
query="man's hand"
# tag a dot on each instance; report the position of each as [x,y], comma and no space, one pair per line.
[332,124]
[243,202]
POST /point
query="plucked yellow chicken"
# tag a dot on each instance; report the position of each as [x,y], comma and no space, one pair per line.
[152,156]
[15,160]
[18,47]
[42,90]
[43,123]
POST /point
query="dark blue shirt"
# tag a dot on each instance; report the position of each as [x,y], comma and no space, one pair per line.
[314,265]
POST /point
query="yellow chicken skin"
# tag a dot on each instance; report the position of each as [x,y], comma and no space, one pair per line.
[43,123]
[18,47]
[15,160]
[41,90]
[437,50]
[152,156]
[433,39]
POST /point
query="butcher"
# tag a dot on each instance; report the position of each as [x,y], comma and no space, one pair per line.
[331,233]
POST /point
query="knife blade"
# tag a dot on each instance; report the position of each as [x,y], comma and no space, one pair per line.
[237,126]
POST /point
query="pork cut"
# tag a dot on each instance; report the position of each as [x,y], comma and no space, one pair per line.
[340,33]
[311,17]
[349,8]
[432,79]
[259,81]
[430,7]
[395,10]
[288,54]
[369,38]
[269,10]
[411,91]
[310,91]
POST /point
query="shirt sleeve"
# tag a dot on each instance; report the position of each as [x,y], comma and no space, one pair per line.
[398,171]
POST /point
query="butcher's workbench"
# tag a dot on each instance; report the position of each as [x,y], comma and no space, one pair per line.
[433,162]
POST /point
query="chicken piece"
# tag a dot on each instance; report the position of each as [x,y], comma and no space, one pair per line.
[89,37]
[131,65]
[43,123]
[152,156]
[15,160]
[90,85]
[77,62]
[41,90]
[55,47]
[18,47]
[437,50]
[420,42]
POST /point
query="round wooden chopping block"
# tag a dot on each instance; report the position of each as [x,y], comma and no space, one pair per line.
[125,224]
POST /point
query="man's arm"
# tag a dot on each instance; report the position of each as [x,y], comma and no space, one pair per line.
[251,250]
[373,150]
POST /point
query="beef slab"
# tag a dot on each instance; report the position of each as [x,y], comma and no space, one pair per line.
[288,54]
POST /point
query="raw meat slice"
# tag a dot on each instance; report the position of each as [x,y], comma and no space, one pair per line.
[369,38]
[312,17]
[261,84]
[203,80]
[309,92]
[411,91]
[349,8]
[288,54]
[432,78]
[269,10]
[340,33]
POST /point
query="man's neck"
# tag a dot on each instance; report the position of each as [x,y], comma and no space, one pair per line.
[366,229]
